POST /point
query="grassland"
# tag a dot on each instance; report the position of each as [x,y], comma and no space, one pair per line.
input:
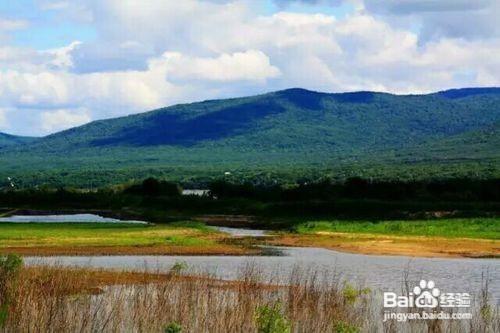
[111,238]
[474,237]
[481,228]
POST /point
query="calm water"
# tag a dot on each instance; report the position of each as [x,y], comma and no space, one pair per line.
[70,218]
[378,272]
[240,232]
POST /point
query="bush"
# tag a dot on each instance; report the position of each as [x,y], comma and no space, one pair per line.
[352,294]
[173,327]
[270,319]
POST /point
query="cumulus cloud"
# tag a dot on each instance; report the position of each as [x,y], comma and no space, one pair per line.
[169,78]
[443,18]
[240,66]
[150,54]
[131,32]
[61,57]
[62,119]
[435,18]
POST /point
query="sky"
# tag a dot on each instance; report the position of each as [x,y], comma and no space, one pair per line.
[66,63]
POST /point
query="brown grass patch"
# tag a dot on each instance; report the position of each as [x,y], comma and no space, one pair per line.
[92,281]
[81,300]
[393,245]
[215,249]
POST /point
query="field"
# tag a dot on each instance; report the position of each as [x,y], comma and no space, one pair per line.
[111,238]
[475,237]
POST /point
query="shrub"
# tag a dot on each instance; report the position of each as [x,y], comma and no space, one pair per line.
[173,327]
[270,319]
[351,294]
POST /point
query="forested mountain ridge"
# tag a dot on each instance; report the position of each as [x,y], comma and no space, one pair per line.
[7,140]
[284,130]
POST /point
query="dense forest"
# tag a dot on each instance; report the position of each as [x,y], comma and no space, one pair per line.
[161,201]
[7,140]
[278,137]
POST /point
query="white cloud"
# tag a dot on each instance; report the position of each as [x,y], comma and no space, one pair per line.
[154,53]
[250,65]
[476,19]
[61,57]
[168,79]
[46,89]
[63,118]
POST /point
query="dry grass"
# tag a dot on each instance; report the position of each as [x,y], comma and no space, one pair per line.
[420,246]
[219,248]
[81,300]
[77,300]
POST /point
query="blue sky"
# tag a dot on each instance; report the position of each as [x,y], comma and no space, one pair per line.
[64,63]
[46,28]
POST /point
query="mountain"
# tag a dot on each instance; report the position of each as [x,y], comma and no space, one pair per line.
[7,140]
[293,132]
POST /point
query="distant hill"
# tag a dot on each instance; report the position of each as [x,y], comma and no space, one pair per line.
[7,140]
[289,133]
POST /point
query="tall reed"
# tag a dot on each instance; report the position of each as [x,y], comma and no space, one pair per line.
[55,299]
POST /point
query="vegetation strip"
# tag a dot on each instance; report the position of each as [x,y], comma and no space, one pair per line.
[182,238]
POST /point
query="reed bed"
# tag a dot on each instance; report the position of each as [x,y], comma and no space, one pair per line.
[56,299]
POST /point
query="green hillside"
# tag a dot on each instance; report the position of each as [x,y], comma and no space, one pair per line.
[287,134]
[7,140]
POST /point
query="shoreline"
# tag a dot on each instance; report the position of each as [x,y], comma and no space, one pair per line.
[81,251]
[411,246]
[364,244]
[186,240]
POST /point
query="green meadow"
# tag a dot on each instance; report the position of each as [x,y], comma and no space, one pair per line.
[483,228]
[104,234]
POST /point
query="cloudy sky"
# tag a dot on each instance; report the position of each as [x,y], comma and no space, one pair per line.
[65,63]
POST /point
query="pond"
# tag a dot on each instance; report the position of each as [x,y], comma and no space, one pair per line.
[68,218]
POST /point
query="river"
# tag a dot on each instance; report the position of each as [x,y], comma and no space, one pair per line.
[386,273]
